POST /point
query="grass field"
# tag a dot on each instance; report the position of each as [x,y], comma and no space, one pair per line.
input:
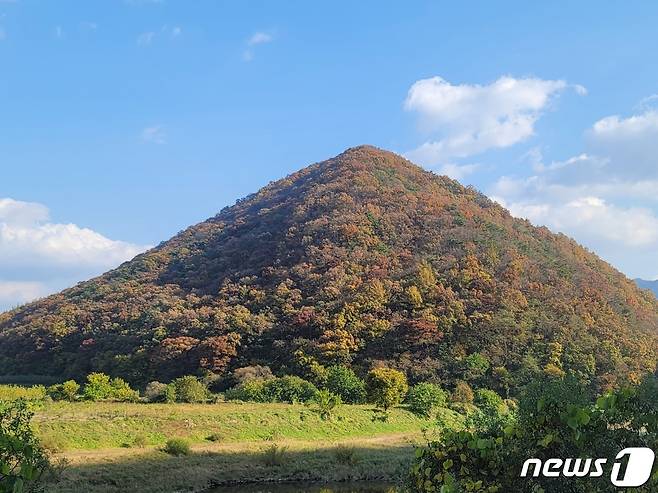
[112,447]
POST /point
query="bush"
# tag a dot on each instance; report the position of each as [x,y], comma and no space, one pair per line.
[386,387]
[249,391]
[16,392]
[424,397]
[463,393]
[274,455]
[70,390]
[248,373]
[22,459]
[140,441]
[156,392]
[346,455]
[99,387]
[177,447]
[189,389]
[556,418]
[342,380]
[121,391]
[326,403]
[290,389]
[215,437]
[489,401]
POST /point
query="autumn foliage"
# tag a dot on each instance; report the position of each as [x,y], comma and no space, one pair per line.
[364,260]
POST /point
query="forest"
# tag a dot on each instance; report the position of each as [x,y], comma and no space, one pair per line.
[363,260]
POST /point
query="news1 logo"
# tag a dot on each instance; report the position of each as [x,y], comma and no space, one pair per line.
[637,471]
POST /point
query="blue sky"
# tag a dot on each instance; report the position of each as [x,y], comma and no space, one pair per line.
[124,121]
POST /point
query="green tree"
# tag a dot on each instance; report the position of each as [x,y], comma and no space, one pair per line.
[98,387]
[289,388]
[386,387]
[326,403]
[67,391]
[425,397]
[342,380]
[189,389]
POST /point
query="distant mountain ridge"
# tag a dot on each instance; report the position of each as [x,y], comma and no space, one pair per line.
[651,285]
[364,259]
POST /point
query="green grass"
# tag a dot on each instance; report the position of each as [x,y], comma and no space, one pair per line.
[94,425]
[14,392]
[112,447]
[239,464]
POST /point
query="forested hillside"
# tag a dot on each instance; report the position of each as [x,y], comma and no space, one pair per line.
[363,259]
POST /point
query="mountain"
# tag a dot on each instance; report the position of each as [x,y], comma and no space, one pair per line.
[650,285]
[362,259]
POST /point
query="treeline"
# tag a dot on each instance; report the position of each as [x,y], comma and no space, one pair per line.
[382,387]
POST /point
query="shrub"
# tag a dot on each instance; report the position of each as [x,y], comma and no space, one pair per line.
[140,441]
[342,380]
[121,391]
[290,389]
[491,411]
[156,392]
[326,403]
[22,459]
[249,391]
[386,387]
[189,389]
[177,447]
[556,418]
[70,390]
[248,373]
[170,393]
[424,397]
[463,393]
[99,387]
[16,392]
[274,455]
[489,401]
[346,455]
[215,437]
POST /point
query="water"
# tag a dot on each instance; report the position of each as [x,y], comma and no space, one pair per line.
[359,487]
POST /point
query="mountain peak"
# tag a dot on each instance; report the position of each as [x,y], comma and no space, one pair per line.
[360,259]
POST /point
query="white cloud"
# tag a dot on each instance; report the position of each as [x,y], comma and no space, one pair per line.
[88,26]
[258,38]
[630,143]
[39,256]
[464,120]
[606,197]
[154,134]
[13,293]
[145,38]
[457,171]
[593,220]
